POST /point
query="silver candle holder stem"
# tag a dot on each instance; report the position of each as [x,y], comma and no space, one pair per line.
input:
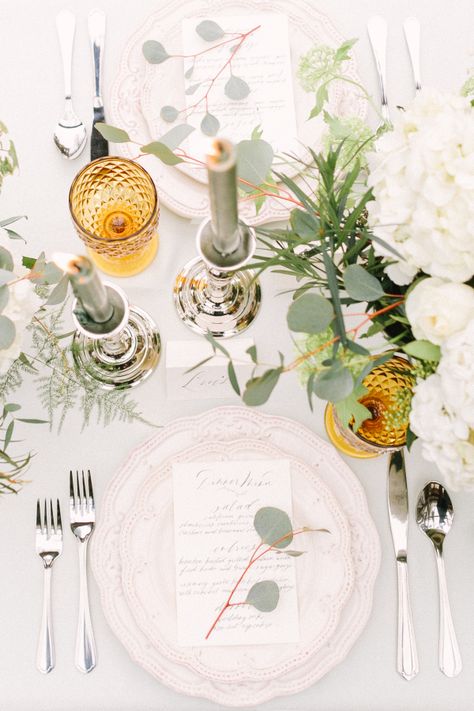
[213,293]
[115,344]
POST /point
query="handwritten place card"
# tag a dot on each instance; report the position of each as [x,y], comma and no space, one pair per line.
[263,62]
[214,507]
[210,380]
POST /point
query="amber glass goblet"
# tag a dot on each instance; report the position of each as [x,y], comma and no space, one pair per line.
[382,433]
[115,210]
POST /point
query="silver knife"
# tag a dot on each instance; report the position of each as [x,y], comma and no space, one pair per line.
[96,24]
[407,657]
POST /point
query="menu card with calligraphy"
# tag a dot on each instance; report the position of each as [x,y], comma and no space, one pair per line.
[214,508]
[263,63]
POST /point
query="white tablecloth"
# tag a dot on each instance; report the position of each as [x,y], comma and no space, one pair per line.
[31,102]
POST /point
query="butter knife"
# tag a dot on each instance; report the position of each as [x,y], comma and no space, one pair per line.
[96,24]
[407,657]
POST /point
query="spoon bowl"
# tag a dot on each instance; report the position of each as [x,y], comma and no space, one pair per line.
[434,512]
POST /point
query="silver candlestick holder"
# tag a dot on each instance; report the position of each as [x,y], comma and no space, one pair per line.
[119,352]
[212,293]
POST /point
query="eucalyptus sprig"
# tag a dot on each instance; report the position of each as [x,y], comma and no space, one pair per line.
[276,532]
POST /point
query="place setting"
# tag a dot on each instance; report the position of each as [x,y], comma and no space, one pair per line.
[298,377]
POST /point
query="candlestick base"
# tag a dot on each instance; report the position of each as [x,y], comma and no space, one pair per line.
[224,303]
[122,360]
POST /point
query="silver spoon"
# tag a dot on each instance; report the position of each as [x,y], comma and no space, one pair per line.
[434,516]
[411,27]
[70,134]
[377,30]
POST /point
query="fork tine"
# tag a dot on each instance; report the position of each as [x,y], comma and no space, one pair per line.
[72,498]
[53,526]
[59,524]
[91,490]
[38,515]
[84,495]
[78,489]
[45,518]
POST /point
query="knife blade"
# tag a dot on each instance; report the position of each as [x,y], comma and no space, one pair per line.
[96,24]
[407,657]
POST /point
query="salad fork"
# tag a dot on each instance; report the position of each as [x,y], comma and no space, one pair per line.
[49,545]
[82,516]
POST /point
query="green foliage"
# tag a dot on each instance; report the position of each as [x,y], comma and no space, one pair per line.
[8,157]
[310,313]
[264,595]
[210,125]
[274,527]
[111,133]
[12,465]
[209,31]
[161,151]
[423,350]
[254,161]
[154,52]
[236,88]
[361,285]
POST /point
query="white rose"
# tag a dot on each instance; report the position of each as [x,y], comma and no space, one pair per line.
[437,309]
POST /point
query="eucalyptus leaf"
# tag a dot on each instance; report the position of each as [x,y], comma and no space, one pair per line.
[154,52]
[423,350]
[11,407]
[191,89]
[161,151]
[59,292]
[209,30]
[7,332]
[6,259]
[236,88]
[360,285]
[272,525]
[351,409]
[258,390]
[189,72]
[310,313]
[111,133]
[210,125]
[176,135]
[304,224]
[252,351]
[14,235]
[4,296]
[264,595]
[8,434]
[5,276]
[169,114]
[32,420]
[334,383]
[11,220]
[233,377]
[294,554]
[254,161]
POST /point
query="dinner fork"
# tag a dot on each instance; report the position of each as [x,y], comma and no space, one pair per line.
[49,545]
[82,516]
[377,30]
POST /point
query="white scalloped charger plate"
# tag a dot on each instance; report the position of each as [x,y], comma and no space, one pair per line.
[228,425]
[325,576]
[135,91]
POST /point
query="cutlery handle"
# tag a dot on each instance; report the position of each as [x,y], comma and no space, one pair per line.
[411,27]
[407,657]
[45,660]
[96,24]
[377,29]
[85,645]
[450,661]
[66,27]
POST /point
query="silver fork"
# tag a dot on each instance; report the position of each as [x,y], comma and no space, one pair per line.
[377,29]
[49,545]
[82,515]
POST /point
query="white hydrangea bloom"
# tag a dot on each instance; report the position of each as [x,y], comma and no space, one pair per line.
[422,175]
[22,304]
[442,413]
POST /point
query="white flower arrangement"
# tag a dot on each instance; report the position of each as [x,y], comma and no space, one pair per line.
[422,176]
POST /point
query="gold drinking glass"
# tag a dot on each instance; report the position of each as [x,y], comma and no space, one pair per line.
[379,434]
[115,210]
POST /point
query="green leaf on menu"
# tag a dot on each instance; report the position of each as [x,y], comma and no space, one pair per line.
[209,30]
[111,133]
[334,383]
[252,351]
[423,350]
[360,285]
[258,390]
[154,52]
[236,88]
[294,554]
[176,135]
[191,89]
[189,72]
[310,313]
[4,296]
[272,525]
[264,595]
[6,259]
[233,377]
[161,151]
[7,332]
[254,161]
[169,114]
[210,125]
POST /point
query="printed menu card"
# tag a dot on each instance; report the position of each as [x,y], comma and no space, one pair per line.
[214,508]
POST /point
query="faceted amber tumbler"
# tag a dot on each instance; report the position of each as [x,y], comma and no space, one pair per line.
[115,210]
[377,435]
